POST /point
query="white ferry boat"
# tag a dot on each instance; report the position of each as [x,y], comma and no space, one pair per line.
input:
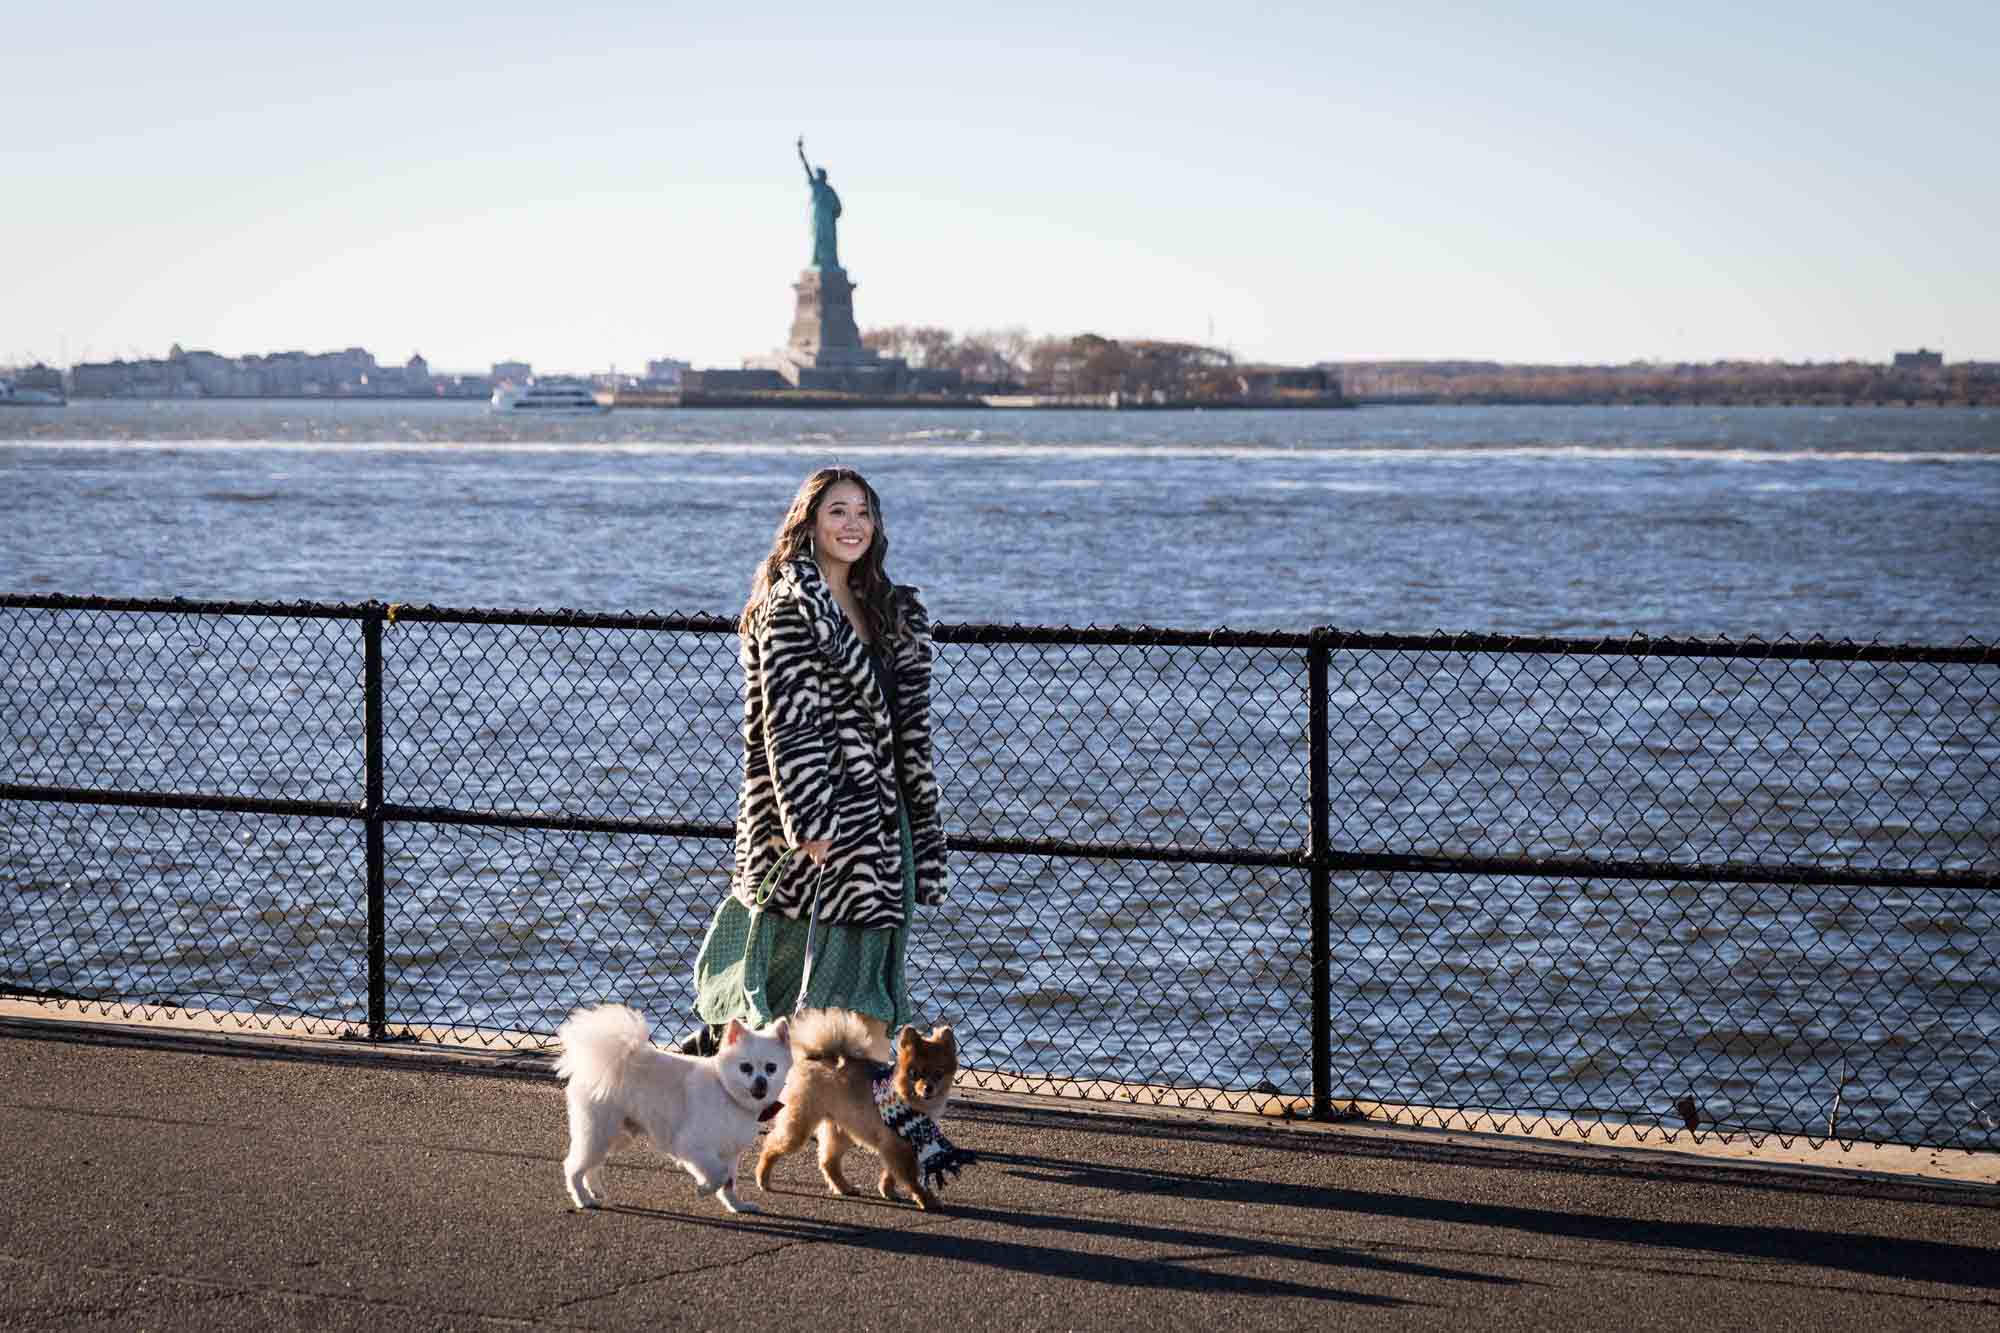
[540,396]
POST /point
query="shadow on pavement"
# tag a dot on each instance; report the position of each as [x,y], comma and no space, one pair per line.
[1190,1270]
[1548,1157]
[1881,1256]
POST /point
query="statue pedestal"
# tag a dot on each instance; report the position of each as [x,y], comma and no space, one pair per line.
[825,351]
[823,328]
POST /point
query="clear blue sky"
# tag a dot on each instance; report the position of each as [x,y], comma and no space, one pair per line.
[604,183]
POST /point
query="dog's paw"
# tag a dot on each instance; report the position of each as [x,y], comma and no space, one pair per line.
[726,1193]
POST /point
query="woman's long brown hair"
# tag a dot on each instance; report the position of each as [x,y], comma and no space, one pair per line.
[867,576]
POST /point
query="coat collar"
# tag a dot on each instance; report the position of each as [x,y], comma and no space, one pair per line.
[832,631]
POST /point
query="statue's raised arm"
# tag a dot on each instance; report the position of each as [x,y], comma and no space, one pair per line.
[825,213]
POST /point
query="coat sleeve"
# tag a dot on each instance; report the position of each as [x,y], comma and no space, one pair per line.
[796,744]
[913,671]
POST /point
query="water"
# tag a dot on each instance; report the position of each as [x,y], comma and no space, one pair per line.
[1473,991]
[1858,523]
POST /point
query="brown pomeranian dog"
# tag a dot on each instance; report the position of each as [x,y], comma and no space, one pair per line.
[830,1095]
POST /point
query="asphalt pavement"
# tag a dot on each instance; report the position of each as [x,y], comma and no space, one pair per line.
[177,1184]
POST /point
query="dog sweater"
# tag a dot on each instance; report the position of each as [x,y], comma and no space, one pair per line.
[938,1158]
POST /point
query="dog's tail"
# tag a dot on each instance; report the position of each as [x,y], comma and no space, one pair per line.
[831,1036]
[598,1044]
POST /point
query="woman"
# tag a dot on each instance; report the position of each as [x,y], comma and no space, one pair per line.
[836,771]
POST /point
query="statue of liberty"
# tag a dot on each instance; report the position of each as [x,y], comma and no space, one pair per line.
[826,212]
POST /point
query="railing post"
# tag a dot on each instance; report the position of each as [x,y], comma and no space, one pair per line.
[371,811]
[1319,854]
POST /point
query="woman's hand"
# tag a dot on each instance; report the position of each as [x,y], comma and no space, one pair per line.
[817,850]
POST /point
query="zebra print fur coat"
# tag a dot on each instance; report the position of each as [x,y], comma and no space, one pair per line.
[817,757]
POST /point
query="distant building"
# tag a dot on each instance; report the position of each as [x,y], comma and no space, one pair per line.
[352,373]
[1270,382]
[665,373]
[1919,361]
[38,376]
[462,386]
[747,380]
[513,372]
[208,375]
[97,379]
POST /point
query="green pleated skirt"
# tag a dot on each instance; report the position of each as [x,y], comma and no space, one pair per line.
[854,968]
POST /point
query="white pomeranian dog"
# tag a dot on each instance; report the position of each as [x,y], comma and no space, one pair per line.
[700,1112]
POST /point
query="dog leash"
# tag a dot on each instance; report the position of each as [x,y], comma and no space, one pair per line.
[812,918]
[812,935]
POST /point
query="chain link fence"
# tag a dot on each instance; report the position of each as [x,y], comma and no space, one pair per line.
[1744,888]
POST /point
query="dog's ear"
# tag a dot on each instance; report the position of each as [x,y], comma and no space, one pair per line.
[783,1031]
[945,1035]
[906,1039]
[734,1033]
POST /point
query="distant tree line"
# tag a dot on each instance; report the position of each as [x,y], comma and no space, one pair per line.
[1652,382]
[1014,361]
[997,358]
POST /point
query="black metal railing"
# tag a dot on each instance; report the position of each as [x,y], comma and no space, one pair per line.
[1452,879]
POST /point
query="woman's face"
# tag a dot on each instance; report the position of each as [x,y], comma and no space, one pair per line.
[844,528]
